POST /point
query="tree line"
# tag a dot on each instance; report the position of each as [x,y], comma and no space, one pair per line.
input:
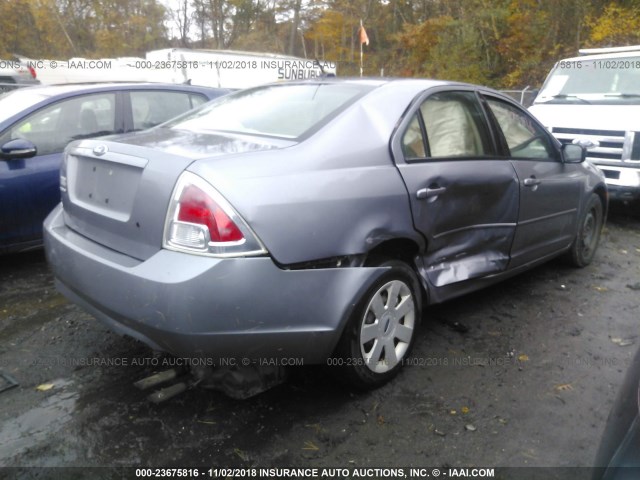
[501,43]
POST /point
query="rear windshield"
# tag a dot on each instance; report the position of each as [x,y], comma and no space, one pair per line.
[16,101]
[287,111]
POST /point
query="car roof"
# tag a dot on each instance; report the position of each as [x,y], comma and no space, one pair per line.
[393,82]
[373,81]
[70,88]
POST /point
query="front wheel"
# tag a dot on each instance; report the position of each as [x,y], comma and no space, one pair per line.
[587,239]
[381,332]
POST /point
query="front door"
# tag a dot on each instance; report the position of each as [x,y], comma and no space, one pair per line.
[549,189]
[29,188]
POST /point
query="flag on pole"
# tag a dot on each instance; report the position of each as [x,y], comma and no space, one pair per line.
[364,38]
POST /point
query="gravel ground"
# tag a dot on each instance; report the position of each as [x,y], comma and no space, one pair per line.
[518,375]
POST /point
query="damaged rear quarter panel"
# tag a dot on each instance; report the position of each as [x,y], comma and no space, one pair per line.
[335,193]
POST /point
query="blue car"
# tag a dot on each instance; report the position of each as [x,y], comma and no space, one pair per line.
[36,123]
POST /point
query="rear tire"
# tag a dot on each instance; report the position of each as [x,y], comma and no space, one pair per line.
[382,329]
[587,238]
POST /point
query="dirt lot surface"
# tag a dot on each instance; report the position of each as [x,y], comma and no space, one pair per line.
[518,375]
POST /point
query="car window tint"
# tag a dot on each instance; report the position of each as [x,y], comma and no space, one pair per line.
[524,137]
[197,100]
[413,140]
[455,125]
[284,110]
[53,127]
[151,108]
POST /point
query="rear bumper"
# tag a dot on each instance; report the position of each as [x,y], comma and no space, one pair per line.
[244,309]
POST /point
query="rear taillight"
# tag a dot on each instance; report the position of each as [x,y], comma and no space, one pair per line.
[32,71]
[196,207]
[200,220]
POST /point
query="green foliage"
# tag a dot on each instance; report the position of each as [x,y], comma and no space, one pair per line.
[501,43]
[618,25]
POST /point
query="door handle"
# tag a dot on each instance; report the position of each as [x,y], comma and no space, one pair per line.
[430,192]
[531,182]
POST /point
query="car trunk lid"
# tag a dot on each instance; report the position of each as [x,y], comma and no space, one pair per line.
[117,192]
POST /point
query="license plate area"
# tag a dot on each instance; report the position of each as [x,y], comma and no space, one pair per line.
[105,187]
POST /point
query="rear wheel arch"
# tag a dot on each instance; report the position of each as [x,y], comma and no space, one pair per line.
[402,249]
[405,250]
[381,329]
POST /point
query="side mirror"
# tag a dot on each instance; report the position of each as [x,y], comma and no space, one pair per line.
[572,153]
[18,148]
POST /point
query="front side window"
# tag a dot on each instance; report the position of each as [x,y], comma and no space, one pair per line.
[524,137]
[53,127]
[15,101]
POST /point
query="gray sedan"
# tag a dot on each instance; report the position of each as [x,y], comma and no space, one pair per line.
[313,220]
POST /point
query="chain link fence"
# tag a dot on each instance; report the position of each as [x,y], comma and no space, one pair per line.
[526,96]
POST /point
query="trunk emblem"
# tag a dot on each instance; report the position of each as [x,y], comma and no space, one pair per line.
[100,150]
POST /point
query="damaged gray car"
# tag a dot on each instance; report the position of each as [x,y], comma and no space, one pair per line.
[313,220]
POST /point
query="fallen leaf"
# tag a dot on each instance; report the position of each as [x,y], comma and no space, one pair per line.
[523,358]
[308,445]
[243,455]
[44,387]
[315,426]
[564,387]
[622,342]
[464,410]
[380,420]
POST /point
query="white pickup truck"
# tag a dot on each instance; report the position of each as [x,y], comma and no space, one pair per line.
[594,100]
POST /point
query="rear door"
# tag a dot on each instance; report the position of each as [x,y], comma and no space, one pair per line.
[549,189]
[463,196]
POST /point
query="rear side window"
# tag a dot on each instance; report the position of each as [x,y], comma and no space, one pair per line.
[197,100]
[413,144]
[448,125]
[151,108]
